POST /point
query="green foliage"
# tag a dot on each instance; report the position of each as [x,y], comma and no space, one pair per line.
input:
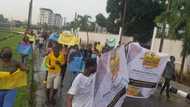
[22,97]
[178,20]
[12,41]
[101,20]
[114,8]
[140,16]
[82,22]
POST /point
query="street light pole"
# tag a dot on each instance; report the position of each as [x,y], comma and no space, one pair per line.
[164,27]
[30,14]
[123,17]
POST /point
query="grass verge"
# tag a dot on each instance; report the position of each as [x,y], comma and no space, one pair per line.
[12,39]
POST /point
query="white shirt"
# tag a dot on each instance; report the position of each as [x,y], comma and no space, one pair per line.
[41,40]
[82,90]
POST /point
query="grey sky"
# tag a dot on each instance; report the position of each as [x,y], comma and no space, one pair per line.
[18,9]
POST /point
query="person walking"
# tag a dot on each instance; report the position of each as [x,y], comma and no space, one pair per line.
[26,51]
[81,93]
[54,61]
[75,60]
[8,65]
[32,38]
[169,74]
[41,43]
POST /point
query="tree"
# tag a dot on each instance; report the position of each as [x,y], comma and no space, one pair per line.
[140,15]
[179,22]
[84,22]
[101,20]
[184,24]
[113,8]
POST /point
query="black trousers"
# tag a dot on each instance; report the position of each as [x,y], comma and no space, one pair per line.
[167,86]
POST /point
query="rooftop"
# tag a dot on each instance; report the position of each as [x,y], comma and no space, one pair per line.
[46,9]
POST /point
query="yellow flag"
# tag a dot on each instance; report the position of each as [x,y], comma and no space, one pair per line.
[68,39]
[14,80]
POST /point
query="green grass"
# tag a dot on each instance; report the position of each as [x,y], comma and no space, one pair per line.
[12,41]
[22,97]
[18,29]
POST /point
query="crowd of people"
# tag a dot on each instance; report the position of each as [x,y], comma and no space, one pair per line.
[79,61]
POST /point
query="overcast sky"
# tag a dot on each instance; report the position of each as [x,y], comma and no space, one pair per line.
[18,9]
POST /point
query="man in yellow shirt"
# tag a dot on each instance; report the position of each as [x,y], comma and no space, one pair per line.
[54,61]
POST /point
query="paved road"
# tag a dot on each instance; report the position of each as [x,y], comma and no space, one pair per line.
[157,101]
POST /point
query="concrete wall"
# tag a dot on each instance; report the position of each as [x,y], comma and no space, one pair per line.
[174,48]
[100,37]
[171,47]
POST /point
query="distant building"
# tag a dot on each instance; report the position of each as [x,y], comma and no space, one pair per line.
[58,20]
[48,17]
[45,16]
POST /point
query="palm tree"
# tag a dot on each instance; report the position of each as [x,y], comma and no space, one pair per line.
[84,22]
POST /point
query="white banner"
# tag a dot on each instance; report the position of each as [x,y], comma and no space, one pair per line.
[111,77]
[145,70]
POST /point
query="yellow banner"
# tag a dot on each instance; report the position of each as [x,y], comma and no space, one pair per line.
[68,39]
[14,80]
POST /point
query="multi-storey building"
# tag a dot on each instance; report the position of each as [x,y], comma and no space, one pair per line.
[48,17]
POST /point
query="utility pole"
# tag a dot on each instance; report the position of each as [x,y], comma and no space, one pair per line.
[31,83]
[30,14]
[123,18]
[164,27]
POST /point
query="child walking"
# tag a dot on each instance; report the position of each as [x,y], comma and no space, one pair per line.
[81,92]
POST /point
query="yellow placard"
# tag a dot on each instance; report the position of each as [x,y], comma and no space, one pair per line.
[14,80]
[68,39]
[4,74]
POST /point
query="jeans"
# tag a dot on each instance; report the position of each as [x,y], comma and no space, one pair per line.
[7,98]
